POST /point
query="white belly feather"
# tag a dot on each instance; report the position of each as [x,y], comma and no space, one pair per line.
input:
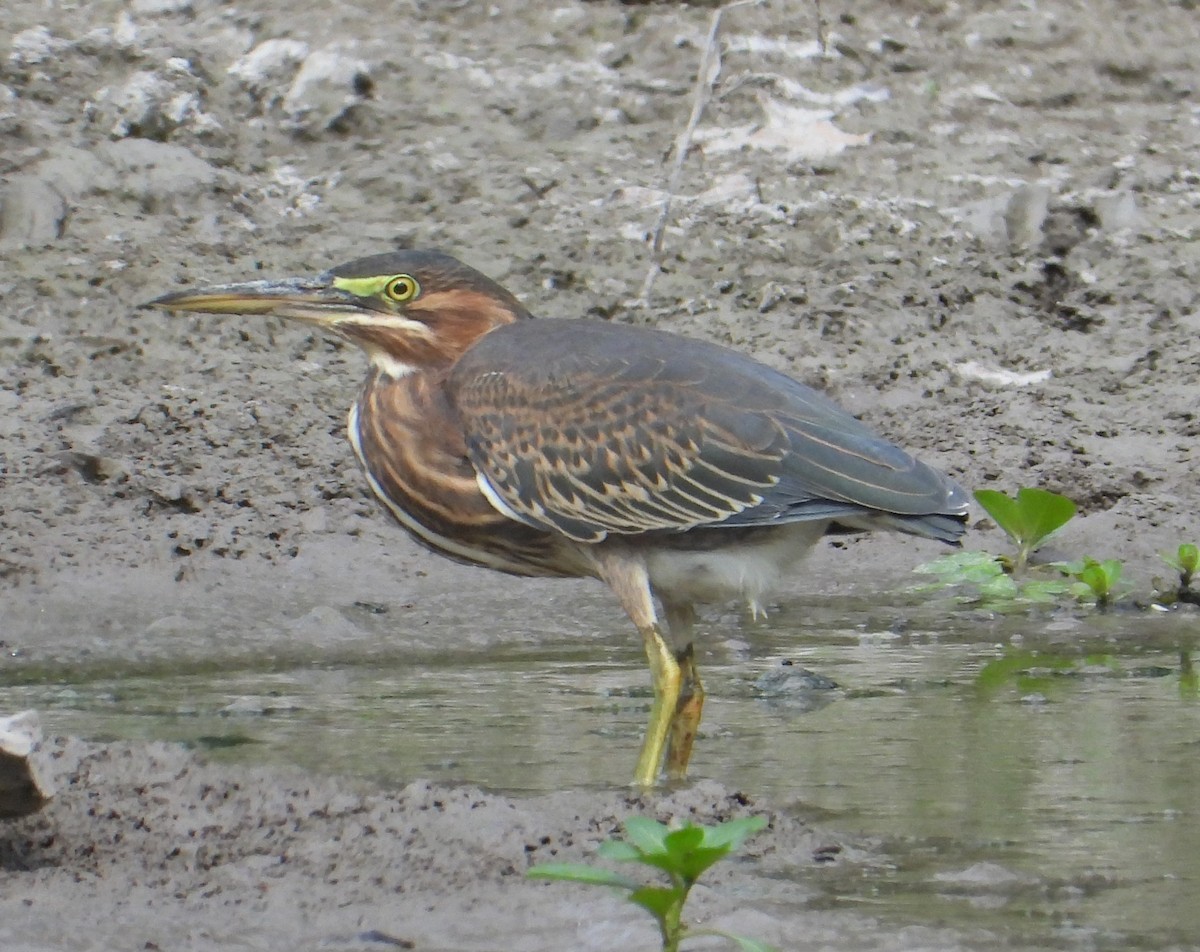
[746,572]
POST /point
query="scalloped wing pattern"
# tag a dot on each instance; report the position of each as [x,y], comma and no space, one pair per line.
[593,429]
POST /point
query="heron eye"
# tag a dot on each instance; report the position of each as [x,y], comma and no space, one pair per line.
[401,288]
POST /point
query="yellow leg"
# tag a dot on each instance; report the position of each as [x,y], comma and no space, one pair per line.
[686,721]
[625,573]
[666,676]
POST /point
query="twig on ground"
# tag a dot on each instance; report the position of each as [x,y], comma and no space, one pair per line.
[706,79]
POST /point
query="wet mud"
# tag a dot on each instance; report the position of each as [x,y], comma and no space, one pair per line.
[975,226]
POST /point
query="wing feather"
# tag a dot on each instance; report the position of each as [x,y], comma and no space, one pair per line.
[588,429]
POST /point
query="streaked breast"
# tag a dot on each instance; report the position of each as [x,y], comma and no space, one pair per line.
[412,451]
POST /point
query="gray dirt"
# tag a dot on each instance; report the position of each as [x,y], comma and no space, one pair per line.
[997,271]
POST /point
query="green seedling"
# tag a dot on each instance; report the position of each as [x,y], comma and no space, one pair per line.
[682,854]
[1096,580]
[1029,519]
[992,586]
[1185,561]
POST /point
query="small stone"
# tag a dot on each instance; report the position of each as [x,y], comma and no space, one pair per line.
[1026,214]
[267,68]
[34,46]
[32,213]
[153,8]
[1117,211]
[25,785]
[138,107]
[328,86]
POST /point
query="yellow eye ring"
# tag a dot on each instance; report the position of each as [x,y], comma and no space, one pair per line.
[401,288]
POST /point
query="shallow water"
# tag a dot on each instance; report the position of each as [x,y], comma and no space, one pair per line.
[1036,775]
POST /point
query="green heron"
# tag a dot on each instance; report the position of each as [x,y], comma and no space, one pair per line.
[666,467]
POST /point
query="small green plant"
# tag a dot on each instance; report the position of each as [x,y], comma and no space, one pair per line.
[683,854]
[1096,580]
[1029,519]
[1185,561]
[992,586]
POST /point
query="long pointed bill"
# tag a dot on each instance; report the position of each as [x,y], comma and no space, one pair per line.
[314,300]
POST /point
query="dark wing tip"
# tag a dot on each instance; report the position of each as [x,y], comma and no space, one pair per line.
[162,301]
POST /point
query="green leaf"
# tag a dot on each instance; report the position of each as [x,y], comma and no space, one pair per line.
[1099,578]
[619,850]
[746,945]
[683,853]
[578,873]
[657,900]
[1111,570]
[995,586]
[963,567]
[649,836]
[693,849]
[1185,560]
[678,843]
[1031,518]
[733,833]
[692,866]
[999,589]
[673,864]
[1001,508]
[749,945]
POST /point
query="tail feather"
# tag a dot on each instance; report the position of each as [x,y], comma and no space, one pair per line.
[948,528]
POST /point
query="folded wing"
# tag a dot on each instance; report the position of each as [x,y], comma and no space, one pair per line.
[594,429]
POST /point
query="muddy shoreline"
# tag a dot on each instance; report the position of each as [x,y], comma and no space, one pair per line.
[985,245]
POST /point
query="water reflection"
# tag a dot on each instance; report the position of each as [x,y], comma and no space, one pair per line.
[1054,802]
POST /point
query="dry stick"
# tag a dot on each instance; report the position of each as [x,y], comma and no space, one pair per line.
[706,79]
